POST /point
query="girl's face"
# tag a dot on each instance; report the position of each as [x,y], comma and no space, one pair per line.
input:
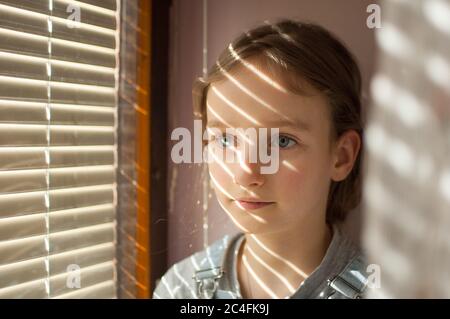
[298,191]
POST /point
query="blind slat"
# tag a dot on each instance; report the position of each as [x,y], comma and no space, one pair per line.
[81,217]
[80,197]
[94,15]
[78,156]
[37,90]
[40,6]
[82,53]
[32,290]
[37,23]
[17,204]
[37,45]
[34,157]
[25,66]
[104,290]
[33,225]
[83,33]
[60,135]
[91,14]
[23,20]
[22,272]
[107,4]
[82,257]
[35,113]
[23,226]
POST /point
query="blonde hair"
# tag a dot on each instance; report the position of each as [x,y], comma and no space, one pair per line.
[297,51]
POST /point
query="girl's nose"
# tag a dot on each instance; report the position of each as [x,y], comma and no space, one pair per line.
[248,175]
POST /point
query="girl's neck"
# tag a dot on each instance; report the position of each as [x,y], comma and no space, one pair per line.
[283,260]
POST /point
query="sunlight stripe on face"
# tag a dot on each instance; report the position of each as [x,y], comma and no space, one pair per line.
[235,107]
[248,191]
[258,218]
[221,119]
[220,188]
[253,69]
[242,163]
[290,166]
[221,164]
[251,94]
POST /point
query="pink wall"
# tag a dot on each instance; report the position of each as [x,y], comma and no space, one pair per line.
[226,19]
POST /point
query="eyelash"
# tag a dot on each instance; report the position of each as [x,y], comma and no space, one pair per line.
[290,139]
[219,138]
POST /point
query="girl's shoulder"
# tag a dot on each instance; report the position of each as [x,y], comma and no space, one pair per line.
[182,279]
[342,273]
[348,264]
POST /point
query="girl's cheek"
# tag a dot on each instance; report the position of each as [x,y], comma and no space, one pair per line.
[298,176]
[290,180]
[218,182]
[219,174]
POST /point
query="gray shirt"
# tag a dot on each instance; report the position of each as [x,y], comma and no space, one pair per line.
[178,282]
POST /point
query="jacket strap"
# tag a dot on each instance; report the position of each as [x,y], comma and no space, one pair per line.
[207,282]
[352,281]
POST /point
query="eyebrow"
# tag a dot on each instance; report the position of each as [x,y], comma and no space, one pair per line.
[296,124]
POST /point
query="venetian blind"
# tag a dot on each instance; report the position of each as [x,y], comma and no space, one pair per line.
[58,159]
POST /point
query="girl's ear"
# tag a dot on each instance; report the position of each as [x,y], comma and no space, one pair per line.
[345,153]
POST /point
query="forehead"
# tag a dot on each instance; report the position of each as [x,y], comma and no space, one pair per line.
[251,97]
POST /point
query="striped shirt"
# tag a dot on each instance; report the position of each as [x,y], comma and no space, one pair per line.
[178,282]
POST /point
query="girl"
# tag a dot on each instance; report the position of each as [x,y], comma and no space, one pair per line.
[299,79]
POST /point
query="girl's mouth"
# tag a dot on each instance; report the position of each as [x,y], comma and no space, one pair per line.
[251,205]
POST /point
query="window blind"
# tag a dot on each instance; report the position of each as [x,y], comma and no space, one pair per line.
[58,150]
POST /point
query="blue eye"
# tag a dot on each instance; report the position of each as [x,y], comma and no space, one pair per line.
[284,141]
[225,140]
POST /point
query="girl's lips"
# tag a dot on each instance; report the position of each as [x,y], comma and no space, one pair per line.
[253,205]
